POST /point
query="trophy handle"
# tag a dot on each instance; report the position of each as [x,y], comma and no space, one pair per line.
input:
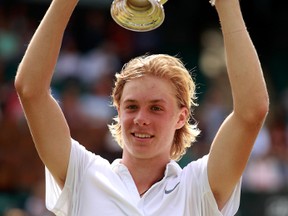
[162,2]
[138,15]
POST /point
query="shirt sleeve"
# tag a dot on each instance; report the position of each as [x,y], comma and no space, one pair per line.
[201,190]
[59,201]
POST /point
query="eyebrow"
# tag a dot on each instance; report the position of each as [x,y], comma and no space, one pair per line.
[152,101]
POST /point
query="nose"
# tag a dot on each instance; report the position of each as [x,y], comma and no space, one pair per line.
[142,118]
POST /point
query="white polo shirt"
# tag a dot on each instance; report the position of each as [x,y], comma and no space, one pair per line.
[95,187]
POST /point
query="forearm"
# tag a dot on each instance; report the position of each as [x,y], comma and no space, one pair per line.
[244,69]
[36,68]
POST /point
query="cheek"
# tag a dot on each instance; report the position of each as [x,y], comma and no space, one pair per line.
[164,125]
[168,125]
[125,121]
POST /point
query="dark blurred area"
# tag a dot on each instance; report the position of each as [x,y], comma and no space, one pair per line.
[95,48]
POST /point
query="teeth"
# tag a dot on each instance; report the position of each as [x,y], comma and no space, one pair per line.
[142,135]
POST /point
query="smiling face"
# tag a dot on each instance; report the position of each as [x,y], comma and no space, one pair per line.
[149,117]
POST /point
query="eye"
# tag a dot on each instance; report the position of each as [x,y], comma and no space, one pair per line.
[156,108]
[131,107]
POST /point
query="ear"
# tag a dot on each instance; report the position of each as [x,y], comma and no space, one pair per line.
[183,115]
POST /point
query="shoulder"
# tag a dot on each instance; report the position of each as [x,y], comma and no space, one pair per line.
[198,166]
[195,175]
[81,157]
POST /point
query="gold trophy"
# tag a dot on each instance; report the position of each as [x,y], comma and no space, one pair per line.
[138,15]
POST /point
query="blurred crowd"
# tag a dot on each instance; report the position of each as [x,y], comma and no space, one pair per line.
[94,49]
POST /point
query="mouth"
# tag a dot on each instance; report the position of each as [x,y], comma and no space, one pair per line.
[142,135]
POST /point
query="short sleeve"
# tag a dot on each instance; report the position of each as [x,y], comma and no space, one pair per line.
[58,201]
[202,195]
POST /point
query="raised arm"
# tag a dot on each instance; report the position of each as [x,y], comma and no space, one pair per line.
[232,145]
[46,121]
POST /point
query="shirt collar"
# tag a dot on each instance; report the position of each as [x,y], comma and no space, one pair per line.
[172,168]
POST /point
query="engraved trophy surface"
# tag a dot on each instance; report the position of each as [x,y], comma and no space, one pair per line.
[138,15]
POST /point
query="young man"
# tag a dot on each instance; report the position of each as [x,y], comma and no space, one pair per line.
[153,96]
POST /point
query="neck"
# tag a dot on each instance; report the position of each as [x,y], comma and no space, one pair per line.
[145,172]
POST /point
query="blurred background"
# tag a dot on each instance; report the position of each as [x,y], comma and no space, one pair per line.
[94,48]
